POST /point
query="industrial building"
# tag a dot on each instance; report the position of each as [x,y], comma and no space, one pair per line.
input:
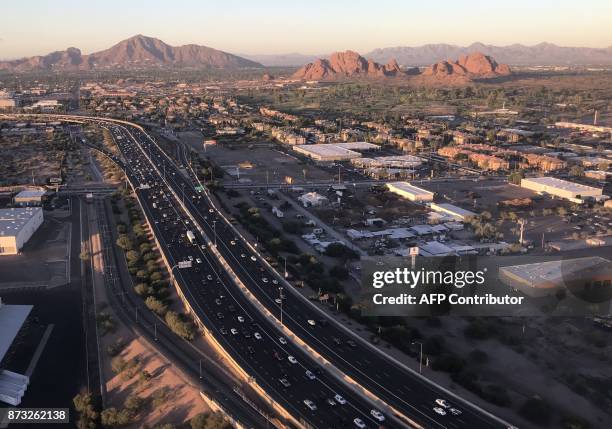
[545,278]
[30,197]
[413,193]
[12,318]
[560,188]
[17,226]
[456,212]
[396,161]
[334,152]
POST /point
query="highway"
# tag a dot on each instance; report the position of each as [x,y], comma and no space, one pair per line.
[251,340]
[394,384]
[218,302]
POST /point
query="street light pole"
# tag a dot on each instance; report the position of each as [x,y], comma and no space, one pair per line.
[215,231]
[420,355]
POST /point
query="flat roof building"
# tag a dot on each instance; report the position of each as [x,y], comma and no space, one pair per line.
[456,212]
[544,278]
[30,197]
[411,192]
[17,226]
[334,152]
[560,188]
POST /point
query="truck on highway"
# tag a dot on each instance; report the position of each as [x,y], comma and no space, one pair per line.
[191,237]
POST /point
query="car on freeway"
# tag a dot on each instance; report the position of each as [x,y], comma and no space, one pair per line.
[234,331]
[455,411]
[359,423]
[331,402]
[209,277]
[274,281]
[284,382]
[311,405]
[220,315]
[242,255]
[257,336]
[233,242]
[377,415]
[253,258]
[440,410]
[218,301]
[264,279]
[198,260]
[311,322]
[310,375]
[278,301]
[292,359]
[223,331]
[339,399]
[282,341]
[240,319]
[442,403]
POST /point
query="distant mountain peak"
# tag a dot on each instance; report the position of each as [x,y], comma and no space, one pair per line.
[138,51]
[346,64]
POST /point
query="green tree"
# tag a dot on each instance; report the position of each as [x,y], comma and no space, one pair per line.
[156,305]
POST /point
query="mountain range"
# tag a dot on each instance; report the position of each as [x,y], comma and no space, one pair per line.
[136,52]
[350,64]
[540,54]
[545,54]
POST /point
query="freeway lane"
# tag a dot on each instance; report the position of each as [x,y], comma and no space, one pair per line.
[213,296]
[395,385]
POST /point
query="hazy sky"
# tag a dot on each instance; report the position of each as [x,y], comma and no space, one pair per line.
[33,27]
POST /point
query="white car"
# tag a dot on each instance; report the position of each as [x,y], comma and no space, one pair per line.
[311,322]
[359,423]
[443,403]
[241,319]
[310,404]
[278,301]
[234,331]
[282,340]
[198,260]
[253,258]
[310,375]
[377,415]
[242,255]
[455,412]
[339,399]
[284,382]
[274,281]
[257,336]
[440,410]
[292,359]
[233,243]
[264,279]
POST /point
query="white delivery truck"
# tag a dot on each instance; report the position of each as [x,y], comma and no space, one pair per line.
[191,237]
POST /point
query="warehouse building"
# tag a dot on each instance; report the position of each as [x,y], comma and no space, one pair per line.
[17,226]
[335,152]
[455,212]
[545,278]
[560,188]
[413,193]
[12,319]
[30,197]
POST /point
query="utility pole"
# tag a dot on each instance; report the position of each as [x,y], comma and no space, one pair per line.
[522,224]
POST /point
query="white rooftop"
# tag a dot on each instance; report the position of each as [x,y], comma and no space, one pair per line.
[450,208]
[31,193]
[13,220]
[407,187]
[553,182]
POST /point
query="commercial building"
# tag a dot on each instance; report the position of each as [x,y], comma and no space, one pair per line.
[334,152]
[17,226]
[401,161]
[30,197]
[560,188]
[545,278]
[413,193]
[12,318]
[454,211]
